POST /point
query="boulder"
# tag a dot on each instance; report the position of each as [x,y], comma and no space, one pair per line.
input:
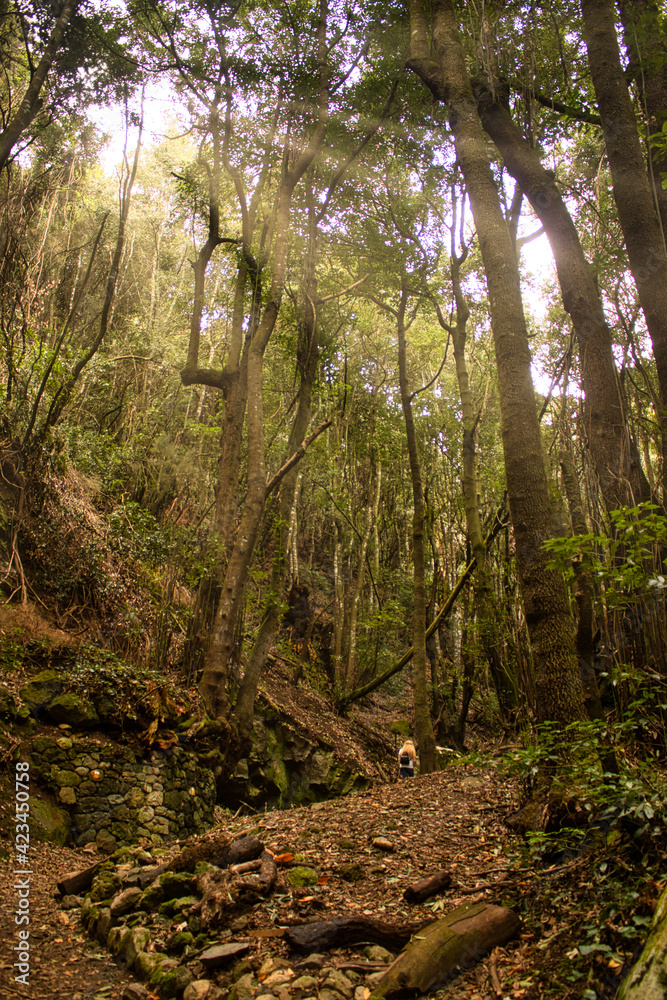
[48,822]
[42,689]
[71,709]
[8,705]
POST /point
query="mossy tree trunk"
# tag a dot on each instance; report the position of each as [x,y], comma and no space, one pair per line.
[545,601]
[635,202]
[423,724]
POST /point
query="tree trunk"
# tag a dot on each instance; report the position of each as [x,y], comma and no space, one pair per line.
[634,199]
[437,954]
[423,725]
[223,640]
[307,356]
[646,980]
[485,610]
[31,104]
[644,40]
[560,697]
[606,433]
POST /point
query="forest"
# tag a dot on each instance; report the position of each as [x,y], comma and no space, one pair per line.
[334,342]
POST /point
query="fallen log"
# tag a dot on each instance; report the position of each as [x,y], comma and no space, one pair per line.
[427,887]
[216,849]
[223,891]
[74,883]
[319,935]
[646,979]
[437,953]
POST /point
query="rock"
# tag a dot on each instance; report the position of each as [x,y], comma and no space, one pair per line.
[41,689]
[146,963]
[327,994]
[134,991]
[70,708]
[376,953]
[176,884]
[48,822]
[244,988]
[174,906]
[222,954]
[180,941]
[305,983]
[125,901]
[103,925]
[8,705]
[67,796]
[199,990]
[71,902]
[335,980]
[351,873]
[135,942]
[382,844]
[106,883]
[174,983]
[278,978]
[105,841]
[301,876]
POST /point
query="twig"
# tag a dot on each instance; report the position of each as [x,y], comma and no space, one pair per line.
[493,972]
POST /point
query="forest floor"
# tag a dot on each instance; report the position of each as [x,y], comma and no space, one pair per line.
[570,944]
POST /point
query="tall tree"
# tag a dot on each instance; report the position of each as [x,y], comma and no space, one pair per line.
[545,601]
[635,203]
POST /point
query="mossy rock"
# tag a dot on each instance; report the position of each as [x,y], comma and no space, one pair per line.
[8,704]
[106,884]
[152,898]
[70,708]
[173,983]
[180,941]
[173,906]
[351,873]
[146,963]
[176,884]
[42,689]
[48,822]
[301,876]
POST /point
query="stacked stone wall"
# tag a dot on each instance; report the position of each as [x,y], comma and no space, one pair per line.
[116,797]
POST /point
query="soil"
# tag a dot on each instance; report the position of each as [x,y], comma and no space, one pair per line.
[453,820]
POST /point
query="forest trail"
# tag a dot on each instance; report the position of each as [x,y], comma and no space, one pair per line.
[452,820]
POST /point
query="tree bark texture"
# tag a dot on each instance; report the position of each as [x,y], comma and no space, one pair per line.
[647,979]
[546,606]
[614,455]
[31,104]
[644,39]
[634,199]
[485,606]
[423,725]
[437,953]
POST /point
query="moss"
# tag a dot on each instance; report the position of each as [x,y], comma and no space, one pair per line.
[105,884]
[176,884]
[351,873]
[301,876]
[173,983]
[70,708]
[173,906]
[181,941]
[41,689]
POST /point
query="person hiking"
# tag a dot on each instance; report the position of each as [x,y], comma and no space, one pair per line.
[406,760]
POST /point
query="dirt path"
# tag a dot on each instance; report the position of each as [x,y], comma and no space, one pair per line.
[452,820]
[64,963]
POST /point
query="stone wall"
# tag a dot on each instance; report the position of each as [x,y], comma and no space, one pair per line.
[116,797]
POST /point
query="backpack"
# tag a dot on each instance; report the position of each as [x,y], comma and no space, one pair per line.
[405,760]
